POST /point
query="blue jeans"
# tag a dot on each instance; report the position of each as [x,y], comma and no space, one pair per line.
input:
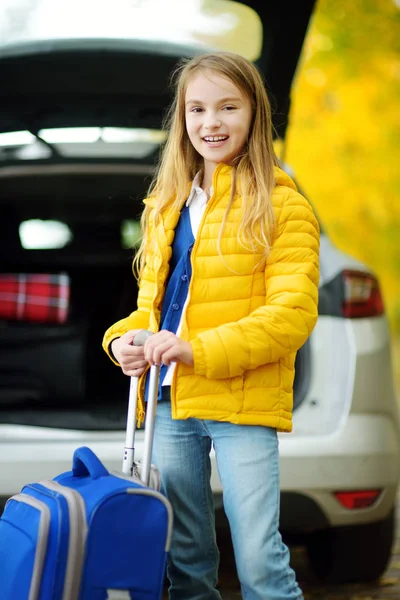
[248,466]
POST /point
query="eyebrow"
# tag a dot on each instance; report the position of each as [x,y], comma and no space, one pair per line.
[222,100]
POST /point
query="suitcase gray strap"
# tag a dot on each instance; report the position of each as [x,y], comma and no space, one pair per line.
[129,466]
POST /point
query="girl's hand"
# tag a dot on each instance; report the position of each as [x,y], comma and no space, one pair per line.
[131,358]
[165,347]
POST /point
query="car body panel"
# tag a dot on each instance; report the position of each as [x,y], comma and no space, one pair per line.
[365,454]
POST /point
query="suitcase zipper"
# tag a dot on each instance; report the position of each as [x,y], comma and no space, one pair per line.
[77,538]
[43,535]
[165,501]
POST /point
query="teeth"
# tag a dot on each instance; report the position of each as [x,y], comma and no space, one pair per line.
[217,138]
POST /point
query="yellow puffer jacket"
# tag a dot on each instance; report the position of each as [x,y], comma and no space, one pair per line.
[244,320]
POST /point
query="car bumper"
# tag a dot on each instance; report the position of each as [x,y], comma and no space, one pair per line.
[363,455]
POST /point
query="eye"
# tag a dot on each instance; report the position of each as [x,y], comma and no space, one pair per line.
[229,107]
[196,109]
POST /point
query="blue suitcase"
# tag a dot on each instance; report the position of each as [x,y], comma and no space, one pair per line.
[88,534]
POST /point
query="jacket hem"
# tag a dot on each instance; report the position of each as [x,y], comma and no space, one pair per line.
[278,422]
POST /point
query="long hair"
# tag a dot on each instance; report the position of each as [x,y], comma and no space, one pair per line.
[254,167]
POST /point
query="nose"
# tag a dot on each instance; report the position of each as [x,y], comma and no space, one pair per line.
[212,121]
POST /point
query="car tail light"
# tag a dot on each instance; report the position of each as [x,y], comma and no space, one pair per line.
[362,295]
[357,499]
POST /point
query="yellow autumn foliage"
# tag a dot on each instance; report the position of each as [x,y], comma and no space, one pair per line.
[343,141]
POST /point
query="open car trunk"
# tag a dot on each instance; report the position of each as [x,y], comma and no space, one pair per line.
[56,374]
[123,82]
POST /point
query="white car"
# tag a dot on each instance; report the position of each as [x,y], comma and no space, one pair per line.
[80,129]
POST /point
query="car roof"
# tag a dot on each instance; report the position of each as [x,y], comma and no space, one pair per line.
[124,82]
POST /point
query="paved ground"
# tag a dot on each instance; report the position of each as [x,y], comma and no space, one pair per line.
[387,588]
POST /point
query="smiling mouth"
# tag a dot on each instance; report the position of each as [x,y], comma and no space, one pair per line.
[215,140]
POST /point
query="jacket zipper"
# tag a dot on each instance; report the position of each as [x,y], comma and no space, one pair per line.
[140,410]
[140,407]
[196,243]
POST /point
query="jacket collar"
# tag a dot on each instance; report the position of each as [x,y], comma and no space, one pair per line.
[221,183]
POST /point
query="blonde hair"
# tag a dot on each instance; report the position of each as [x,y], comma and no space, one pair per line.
[254,167]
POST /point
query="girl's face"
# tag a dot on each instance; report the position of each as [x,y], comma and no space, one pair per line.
[218,118]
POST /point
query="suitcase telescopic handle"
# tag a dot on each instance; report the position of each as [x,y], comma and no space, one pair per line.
[129,451]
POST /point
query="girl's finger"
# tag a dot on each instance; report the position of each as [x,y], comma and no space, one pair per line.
[134,372]
[150,354]
[169,355]
[135,364]
[139,364]
[158,338]
[156,354]
[132,351]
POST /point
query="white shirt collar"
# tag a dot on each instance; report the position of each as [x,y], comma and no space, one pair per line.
[196,190]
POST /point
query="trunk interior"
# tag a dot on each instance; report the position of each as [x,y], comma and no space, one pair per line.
[57,375]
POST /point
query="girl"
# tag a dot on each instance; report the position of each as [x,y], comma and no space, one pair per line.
[228,279]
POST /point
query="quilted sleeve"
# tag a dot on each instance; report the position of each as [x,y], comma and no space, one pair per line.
[283,324]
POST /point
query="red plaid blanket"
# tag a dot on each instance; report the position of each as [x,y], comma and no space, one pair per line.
[34,297]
